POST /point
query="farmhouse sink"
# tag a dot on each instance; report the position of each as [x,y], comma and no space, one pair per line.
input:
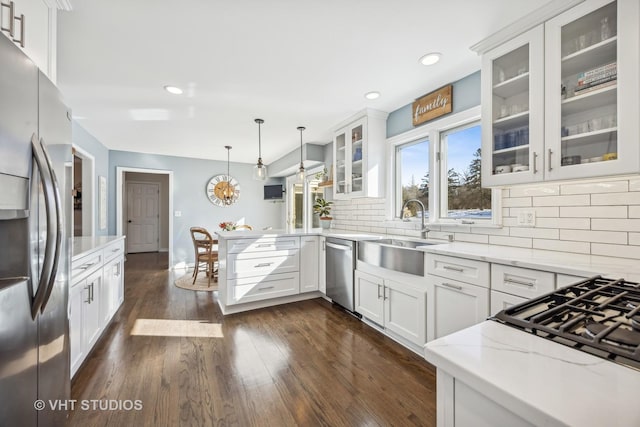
[393,254]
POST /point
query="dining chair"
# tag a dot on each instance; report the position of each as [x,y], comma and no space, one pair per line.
[244,227]
[204,252]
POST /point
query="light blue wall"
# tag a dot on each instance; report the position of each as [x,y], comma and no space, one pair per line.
[466,94]
[87,142]
[190,177]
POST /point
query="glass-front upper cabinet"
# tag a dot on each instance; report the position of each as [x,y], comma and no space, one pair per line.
[592,90]
[359,156]
[513,110]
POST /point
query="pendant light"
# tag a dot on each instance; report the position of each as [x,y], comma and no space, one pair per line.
[301,174]
[228,190]
[259,170]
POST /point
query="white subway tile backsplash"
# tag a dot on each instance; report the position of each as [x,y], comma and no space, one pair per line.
[539,190]
[471,238]
[514,202]
[634,239]
[499,231]
[574,200]
[538,233]
[562,246]
[594,236]
[594,211]
[622,251]
[575,223]
[634,184]
[520,242]
[595,187]
[615,224]
[619,199]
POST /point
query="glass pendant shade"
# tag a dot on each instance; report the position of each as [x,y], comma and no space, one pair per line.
[259,170]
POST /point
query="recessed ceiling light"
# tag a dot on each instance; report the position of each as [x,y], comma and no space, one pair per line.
[372,95]
[174,90]
[430,58]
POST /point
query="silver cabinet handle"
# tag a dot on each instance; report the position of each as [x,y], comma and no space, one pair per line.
[263,245]
[458,269]
[378,291]
[384,293]
[92,292]
[88,288]
[85,266]
[22,24]
[12,17]
[339,247]
[115,250]
[550,153]
[535,162]
[264,288]
[449,285]
[264,264]
[519,282]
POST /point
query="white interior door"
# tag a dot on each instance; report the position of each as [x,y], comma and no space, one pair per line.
[142,217]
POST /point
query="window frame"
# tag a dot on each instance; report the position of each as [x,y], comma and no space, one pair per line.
[433,132]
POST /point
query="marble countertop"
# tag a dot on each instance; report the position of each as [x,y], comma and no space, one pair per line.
[253,234]
[84,245]
[558,262]
[544,382]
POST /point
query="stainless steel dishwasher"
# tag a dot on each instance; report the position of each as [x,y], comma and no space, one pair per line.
[341,261]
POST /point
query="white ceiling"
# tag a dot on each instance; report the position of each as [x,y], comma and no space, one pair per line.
[290,62]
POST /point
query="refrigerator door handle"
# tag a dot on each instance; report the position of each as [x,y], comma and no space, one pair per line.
[47,185]
[58,229]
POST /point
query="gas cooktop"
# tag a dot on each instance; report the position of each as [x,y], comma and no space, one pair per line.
[599,316]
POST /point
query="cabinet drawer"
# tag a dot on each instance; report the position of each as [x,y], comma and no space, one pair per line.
[522,282]
[262,288]
[85,265]
[264,244]
[464,270]
[113,250]
[501,301]
[563,280]
[260,264]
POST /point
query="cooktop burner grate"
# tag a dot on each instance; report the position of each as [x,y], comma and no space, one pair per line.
[599,316]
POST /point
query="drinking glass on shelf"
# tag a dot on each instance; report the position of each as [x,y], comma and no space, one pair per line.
[605,30]
[582,41]
[504,111]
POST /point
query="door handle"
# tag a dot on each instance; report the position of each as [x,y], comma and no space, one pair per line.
[58,229]
[535,162]
[49,251]
[449,285]
[519,282]
[378,291]
[12,17]
[129,221]
[550,153]
[458,269]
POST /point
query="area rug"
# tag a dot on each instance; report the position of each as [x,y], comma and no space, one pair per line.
[185,282]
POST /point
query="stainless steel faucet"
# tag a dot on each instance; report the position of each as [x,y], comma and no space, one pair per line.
[423,230]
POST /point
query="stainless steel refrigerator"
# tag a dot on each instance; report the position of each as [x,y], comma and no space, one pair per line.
[35,223]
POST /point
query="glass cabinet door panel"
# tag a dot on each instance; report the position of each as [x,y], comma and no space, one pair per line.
[356,159]
[588,130]
[341,164]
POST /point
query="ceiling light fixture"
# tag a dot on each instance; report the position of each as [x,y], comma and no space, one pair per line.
[227,193]
[173,90]
[430,58]
[300,174]
[372,95]
[259,170]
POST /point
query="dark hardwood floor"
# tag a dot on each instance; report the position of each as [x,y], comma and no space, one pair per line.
[301,364]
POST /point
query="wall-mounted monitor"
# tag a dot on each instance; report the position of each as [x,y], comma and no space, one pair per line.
[273,192]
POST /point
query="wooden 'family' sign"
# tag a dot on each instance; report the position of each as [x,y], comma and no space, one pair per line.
[432,105]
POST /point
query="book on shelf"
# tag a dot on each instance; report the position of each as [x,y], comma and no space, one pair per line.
[598,70]
[601,85]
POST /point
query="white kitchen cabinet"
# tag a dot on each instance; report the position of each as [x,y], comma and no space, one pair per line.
[309,266]
[563,280]
[523,282]
[359,156]
[501,301]
[35,34]
[512,82]
[454,305]
[588,97]
[112,290]
[322,265]
[85,320]
[398,307]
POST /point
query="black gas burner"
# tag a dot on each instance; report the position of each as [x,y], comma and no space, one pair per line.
[599,316]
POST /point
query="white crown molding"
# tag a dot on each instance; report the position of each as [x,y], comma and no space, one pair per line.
[59,4]
[535,18]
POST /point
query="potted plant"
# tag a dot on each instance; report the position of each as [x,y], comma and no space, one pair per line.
[323,209]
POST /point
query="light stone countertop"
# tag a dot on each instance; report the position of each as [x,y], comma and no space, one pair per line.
[558,262]
[85,245]
[254,234]
[544,382]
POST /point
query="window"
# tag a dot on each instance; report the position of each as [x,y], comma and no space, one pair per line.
[300,200]
[412,176]
[440,165]
[462,194]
